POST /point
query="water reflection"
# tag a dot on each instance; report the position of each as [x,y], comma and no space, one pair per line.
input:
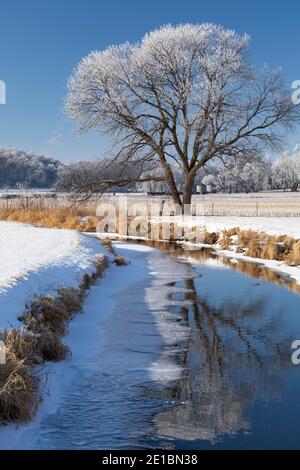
[237,353]
[204,255]
[194,353]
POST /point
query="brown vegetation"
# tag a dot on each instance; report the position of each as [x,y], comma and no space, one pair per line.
[120,261]
[225,241]
[249,242]
[107,243]
[262,245]
[210,238]
[293,257]
[74,218]
[19,393]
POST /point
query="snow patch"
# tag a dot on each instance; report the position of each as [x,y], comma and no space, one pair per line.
[36,261]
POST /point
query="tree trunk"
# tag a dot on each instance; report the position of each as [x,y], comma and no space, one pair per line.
[295,187]
[172,185]
[188,188]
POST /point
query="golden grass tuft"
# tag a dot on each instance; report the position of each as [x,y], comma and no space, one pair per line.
[254,249]
[293,257]
[102,263]
[71,298]
[271,250]
[49,311]
[19,393]
[225,241]
[264,246]
[210,238]
[107,243]
[50,346]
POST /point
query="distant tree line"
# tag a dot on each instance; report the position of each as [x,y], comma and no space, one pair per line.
[27,169]
[261,174]
[30,170]
[239,176]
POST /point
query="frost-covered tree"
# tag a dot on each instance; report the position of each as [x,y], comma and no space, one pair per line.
[19,168]
[181,97]
[244,176]
[284,173]
[296,160]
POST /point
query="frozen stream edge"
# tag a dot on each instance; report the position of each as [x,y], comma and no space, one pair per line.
[85,333]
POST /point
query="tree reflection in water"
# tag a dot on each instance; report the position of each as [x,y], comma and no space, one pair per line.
[236,354]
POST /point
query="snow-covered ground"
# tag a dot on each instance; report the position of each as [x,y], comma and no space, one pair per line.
[84,338]
[36,260]
[39,260]
[270,225]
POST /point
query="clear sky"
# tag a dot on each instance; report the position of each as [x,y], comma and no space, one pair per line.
[41,41]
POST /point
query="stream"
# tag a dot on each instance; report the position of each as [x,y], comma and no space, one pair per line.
[179,351]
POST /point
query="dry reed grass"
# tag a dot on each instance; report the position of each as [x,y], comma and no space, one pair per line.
[262,245]
[293,257]
[210,238]
[225,241]
[69,218]
[107,243]
[19,392]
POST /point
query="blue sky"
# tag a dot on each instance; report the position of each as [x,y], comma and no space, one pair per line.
[41,41]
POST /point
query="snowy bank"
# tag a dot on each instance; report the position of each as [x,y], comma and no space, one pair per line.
[274,226]
[270,225]
[84,338]
[36,261]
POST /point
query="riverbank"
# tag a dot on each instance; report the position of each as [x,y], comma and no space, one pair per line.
[36,261]
[43,283]
[40,261]
[164,359]
[271,241]
[275,226]
[84,337]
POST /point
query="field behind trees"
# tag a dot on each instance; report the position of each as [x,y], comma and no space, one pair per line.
[57,209]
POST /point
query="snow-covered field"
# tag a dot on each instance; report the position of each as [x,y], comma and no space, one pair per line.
[38,260]
[270,225]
